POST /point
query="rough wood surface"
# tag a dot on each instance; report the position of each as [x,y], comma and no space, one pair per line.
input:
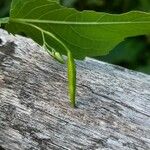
[113,103]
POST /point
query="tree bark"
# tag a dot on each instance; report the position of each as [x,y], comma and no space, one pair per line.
[113,103]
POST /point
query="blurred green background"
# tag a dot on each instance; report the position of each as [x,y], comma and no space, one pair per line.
[133,52]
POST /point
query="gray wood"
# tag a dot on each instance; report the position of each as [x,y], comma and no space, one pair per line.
[113,103]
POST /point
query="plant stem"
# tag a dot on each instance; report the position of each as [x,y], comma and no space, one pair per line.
[71,79]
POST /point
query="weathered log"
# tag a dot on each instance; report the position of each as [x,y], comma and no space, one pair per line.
[113,103]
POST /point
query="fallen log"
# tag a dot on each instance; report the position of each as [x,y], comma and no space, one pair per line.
[113,103]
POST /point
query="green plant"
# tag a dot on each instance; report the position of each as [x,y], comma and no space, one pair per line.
[66,31]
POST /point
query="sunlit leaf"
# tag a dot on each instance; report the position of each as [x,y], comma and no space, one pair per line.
[85,33]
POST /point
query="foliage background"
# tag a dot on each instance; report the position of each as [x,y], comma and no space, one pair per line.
[133,52]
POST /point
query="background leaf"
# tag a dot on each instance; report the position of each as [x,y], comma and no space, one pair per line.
[4,7]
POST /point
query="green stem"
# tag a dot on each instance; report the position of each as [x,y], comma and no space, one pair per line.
[56,55]
[71,79]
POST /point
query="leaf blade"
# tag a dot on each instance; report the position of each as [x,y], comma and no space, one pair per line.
[86,33]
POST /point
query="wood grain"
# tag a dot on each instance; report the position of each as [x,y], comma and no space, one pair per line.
[113,103]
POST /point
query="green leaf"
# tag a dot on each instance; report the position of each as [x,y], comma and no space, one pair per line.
[85,33]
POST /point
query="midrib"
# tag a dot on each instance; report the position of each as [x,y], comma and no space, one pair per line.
[76,23]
